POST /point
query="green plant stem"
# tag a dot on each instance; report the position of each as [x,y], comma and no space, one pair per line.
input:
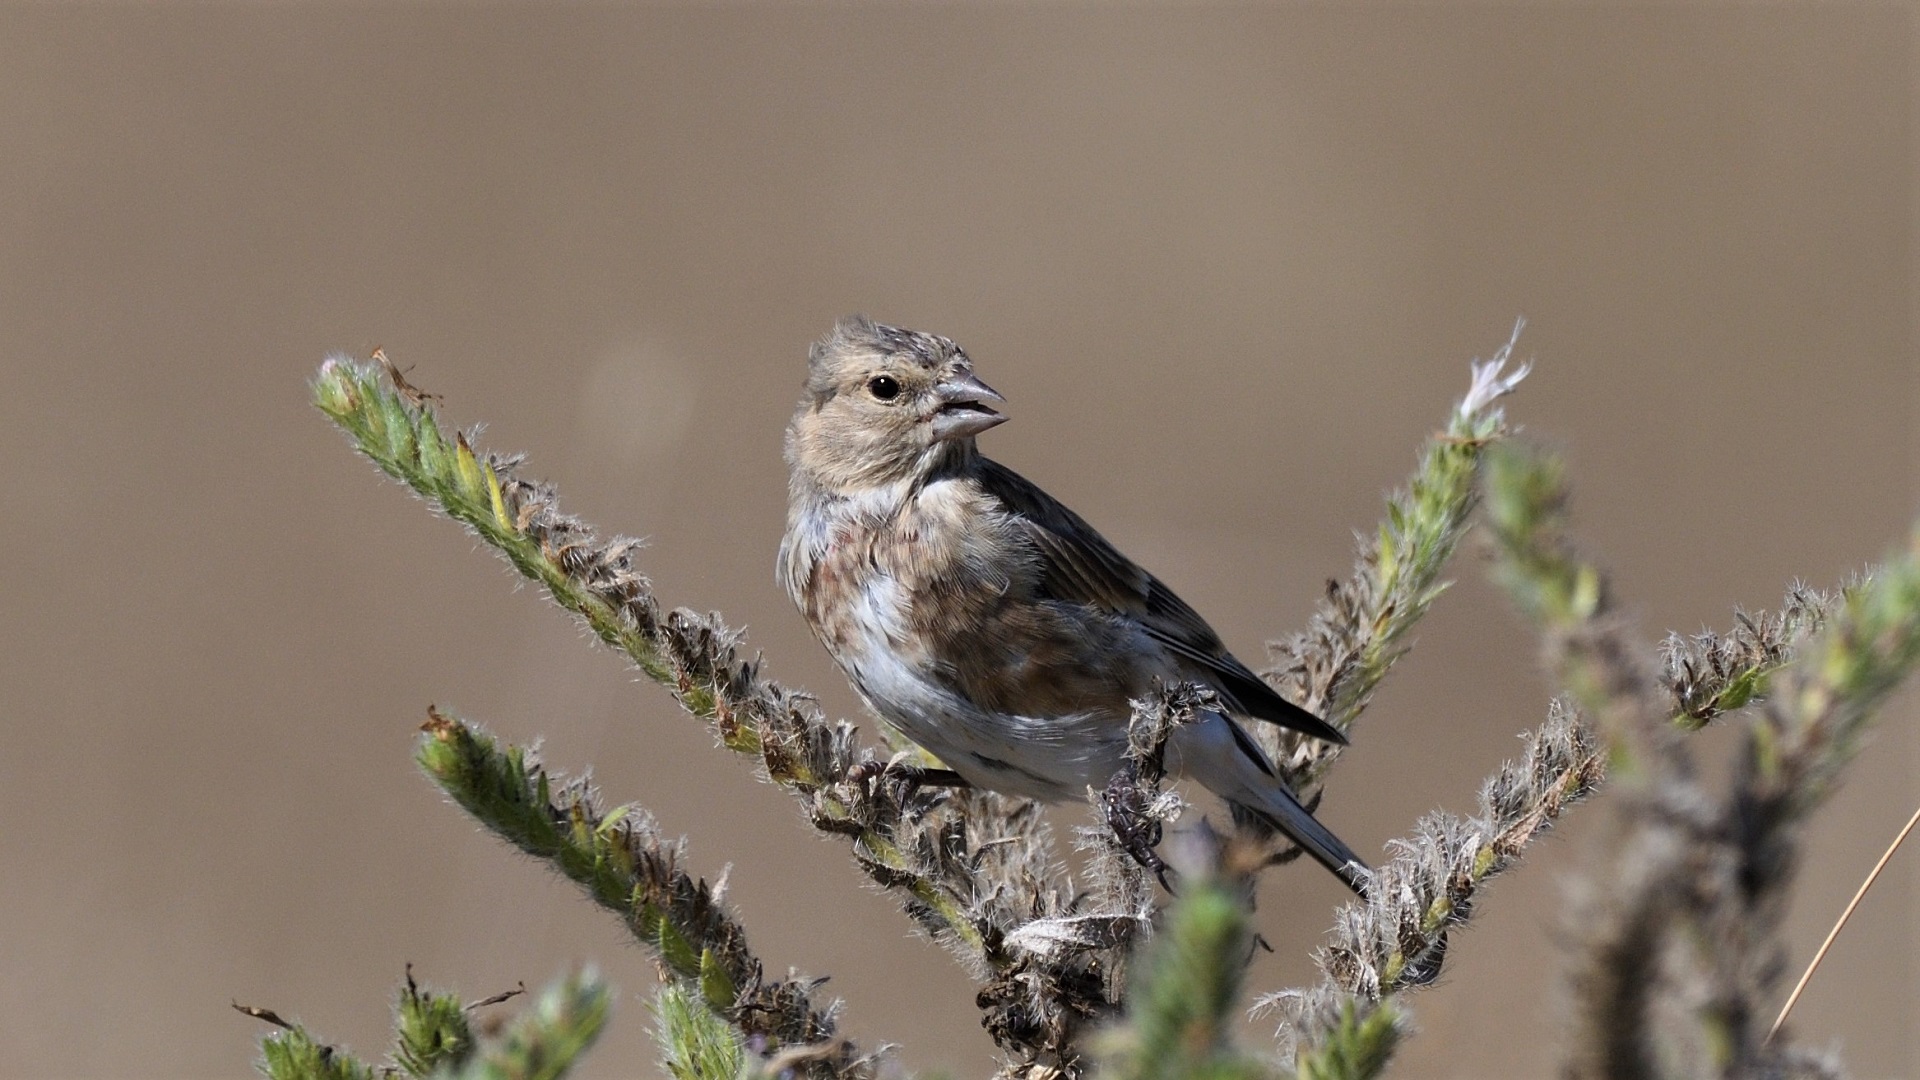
[625,865]
[1364,624]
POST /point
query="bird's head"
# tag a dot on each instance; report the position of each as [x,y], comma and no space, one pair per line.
[885,405]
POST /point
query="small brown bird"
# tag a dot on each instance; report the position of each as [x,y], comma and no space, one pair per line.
[984,620]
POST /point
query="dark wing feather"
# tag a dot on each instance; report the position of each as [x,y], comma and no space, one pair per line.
[1080,566]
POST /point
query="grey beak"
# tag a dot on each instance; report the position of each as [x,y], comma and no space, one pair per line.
[966,408]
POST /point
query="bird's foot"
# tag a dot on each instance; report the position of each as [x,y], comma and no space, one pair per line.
[922,776]
[1124,804]
[873,774]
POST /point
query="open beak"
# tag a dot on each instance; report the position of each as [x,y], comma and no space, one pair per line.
[966,408]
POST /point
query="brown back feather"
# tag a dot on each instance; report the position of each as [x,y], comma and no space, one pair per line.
[1080,566]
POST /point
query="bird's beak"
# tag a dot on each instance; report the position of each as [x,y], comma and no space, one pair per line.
[966,408]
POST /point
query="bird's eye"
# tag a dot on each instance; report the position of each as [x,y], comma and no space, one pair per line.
[884,387]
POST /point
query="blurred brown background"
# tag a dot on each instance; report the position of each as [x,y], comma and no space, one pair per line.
[1228,264]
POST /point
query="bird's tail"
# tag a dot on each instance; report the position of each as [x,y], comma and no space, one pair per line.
[1279,809]
[1221,756]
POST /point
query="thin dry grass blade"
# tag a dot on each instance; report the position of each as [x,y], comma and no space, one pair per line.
[1807,975]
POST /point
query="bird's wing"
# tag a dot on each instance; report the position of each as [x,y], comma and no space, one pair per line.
[1078,565]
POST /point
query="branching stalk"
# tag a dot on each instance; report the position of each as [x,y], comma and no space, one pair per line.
[1688,912]
[1396,939]
[1392,942]
[1711,674]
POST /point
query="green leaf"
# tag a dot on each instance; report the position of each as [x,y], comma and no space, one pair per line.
[715,985]
[695,1043]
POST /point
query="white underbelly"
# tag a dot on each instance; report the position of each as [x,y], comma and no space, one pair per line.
[1050,758]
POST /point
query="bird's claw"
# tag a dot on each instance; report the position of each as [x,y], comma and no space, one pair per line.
[1124,805]
[863,773]
[873,774]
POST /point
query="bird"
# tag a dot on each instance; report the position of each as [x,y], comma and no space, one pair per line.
[983,619]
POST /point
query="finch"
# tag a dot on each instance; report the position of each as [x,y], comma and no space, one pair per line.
[984,620]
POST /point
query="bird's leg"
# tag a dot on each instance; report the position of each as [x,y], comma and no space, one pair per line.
[1124,805]
[911,777]
[914,777]
[924,777]
[864,772]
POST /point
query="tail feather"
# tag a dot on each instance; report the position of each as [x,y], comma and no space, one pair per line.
[1282,811]
[1219,754]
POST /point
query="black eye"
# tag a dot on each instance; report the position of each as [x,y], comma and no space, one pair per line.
[884,387]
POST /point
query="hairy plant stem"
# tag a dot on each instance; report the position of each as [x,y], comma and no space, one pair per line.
[1690,907]
[1389,943]
[1363,625]
[628,867]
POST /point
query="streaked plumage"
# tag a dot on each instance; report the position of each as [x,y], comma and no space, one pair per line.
[982,618]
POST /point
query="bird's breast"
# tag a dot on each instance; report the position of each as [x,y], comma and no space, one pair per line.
[935,618]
